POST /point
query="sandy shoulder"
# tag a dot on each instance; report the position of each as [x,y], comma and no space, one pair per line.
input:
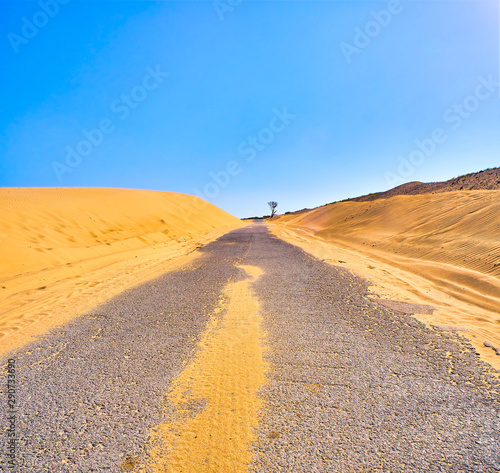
[31,312]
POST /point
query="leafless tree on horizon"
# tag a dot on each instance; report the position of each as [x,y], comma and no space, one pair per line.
[273,206]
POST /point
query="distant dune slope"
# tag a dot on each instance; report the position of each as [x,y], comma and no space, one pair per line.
[64,251]
[41,228]
[459,228]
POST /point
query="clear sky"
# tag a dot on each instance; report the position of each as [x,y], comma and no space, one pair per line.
[302,102]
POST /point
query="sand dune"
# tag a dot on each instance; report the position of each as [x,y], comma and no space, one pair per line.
[64,250]
[442,249]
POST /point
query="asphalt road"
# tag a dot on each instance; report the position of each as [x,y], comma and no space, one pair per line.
[352,386]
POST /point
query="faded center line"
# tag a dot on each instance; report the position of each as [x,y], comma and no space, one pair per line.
[213,406]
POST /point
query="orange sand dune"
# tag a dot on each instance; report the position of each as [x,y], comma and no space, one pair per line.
[63,251]
[442,249]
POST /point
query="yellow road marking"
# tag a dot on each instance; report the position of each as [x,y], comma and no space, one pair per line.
[213,406]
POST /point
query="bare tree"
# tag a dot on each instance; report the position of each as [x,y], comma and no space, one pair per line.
[273,206]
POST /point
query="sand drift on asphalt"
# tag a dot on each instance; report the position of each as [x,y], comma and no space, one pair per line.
[213,406]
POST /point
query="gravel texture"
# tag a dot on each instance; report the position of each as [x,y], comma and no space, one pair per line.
[353,385]
[356,387]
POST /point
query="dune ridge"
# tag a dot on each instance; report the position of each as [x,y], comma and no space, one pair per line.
[65,250]
[442,249]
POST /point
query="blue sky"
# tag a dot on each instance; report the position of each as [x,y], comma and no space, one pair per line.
[301,102]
